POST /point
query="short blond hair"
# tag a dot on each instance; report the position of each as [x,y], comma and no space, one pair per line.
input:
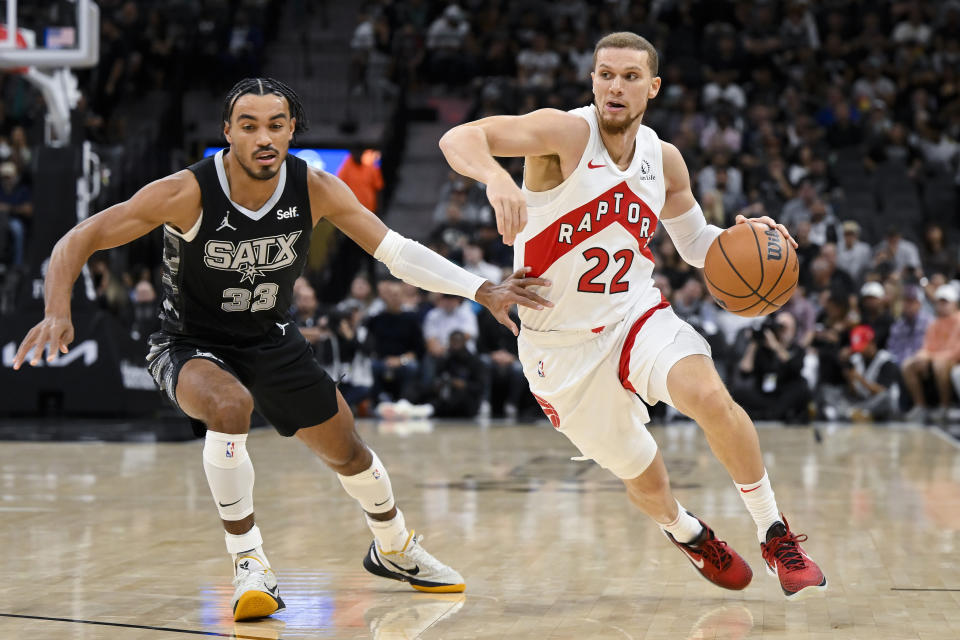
[628,40]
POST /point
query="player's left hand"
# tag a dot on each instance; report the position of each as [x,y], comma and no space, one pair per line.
[770,222]
[498,298]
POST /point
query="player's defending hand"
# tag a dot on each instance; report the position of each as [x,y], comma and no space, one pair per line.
[770,222]
[508,203]
[498,298]
[52,334]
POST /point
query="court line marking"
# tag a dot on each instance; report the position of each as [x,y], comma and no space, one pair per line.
[134,626]
[923,589]
[946,436]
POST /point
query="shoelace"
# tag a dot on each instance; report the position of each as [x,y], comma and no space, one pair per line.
[784,548]
[411,546]
[715,551]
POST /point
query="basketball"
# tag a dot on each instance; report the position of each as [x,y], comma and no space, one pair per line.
[751,270]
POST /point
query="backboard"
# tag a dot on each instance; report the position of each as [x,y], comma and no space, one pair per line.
[66,33]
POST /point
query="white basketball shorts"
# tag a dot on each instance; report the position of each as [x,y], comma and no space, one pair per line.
[587,382]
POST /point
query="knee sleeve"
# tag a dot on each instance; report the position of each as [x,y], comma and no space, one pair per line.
[229,473]
[371,488]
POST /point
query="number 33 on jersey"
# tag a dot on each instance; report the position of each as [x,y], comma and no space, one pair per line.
[234,271]
[589,236]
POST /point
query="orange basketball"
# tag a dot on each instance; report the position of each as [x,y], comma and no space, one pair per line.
[751,270]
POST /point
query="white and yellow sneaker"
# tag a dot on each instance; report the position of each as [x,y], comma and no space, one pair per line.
[413,564]
[257,594]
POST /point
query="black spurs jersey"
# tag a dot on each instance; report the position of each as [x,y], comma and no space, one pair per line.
[231,276]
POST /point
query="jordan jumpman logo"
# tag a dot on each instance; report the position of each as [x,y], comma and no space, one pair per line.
[283,327]
[226,223]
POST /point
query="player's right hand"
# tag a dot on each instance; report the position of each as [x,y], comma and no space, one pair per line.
[498,298]
[509,205]
[52,334]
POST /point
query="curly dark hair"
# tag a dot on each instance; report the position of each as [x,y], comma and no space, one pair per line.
[262,87]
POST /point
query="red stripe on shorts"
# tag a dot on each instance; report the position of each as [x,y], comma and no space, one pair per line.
[631,338]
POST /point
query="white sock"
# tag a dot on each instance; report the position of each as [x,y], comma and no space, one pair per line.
[245,542]
[685,528]
[758,496]
[391,534]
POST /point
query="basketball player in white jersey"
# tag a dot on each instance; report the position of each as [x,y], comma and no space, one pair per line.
[596,184]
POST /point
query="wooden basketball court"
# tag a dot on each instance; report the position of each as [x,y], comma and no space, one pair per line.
[122,541]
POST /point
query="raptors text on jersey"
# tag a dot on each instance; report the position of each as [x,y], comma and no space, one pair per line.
[589,236]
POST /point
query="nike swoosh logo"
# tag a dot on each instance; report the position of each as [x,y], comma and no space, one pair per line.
[697,561]
[749,490]
[231,504]
[380,504]
[413,572]
[590,165]
[273,590]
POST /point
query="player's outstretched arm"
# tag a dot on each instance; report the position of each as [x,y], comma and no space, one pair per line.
[683,218]
[471,148]
[174,199]
[412,262]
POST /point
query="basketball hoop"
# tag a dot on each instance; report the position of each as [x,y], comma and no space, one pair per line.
[48,67]
[24,40]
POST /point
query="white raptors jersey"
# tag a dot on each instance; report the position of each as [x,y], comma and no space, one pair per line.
[589,234]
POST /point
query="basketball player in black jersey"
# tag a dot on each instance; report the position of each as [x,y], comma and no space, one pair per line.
[236,233]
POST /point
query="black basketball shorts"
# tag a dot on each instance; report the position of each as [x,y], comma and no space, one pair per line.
[289,387]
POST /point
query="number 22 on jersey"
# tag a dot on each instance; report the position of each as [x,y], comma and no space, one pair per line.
[588,282]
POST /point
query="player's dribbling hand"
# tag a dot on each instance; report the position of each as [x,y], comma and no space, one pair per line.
[52,334]
[498,298]
[509,205]
[770,222]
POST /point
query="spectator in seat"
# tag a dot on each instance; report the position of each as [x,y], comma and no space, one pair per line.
[908,331]
[445,43]
[395,343]
[896,251]
[772,365]
[145,318]
[305,315]
[509,394]
[474,263]
[873,378]
[16,211]
[458,384]
[874,312]
[450,314]
[938,355]
[853,255]
[831,338]
[361,296]
[936,255]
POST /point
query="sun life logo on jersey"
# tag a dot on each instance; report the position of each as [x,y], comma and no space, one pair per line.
[289,213]
[646,172]
[251,258]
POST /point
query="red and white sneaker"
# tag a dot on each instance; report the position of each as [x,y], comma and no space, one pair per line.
[714,559]
[800,577]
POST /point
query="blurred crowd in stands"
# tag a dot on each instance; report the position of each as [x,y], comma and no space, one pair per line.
[146,46]
[839,118]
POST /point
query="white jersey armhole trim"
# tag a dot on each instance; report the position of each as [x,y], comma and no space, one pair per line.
[658,150]
[268,205]
[541,198]
[189,235]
